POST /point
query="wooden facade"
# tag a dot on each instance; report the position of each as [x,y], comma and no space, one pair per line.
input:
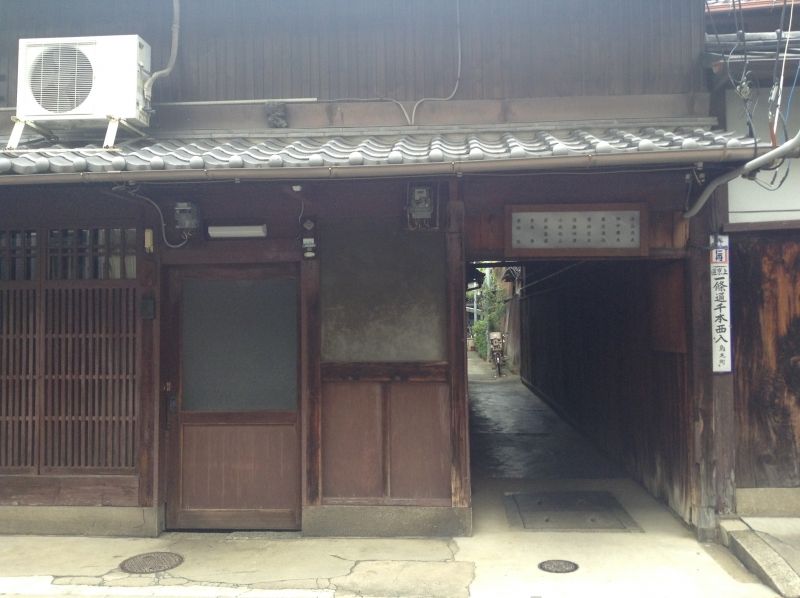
[767,353]
[96,328]
[403,49]
[763,230]
[84,355]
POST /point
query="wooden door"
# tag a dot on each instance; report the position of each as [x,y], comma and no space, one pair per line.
[231,394]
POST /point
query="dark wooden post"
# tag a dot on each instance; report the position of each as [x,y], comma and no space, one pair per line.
[311,381]
[460,478]
[149,408]
[714,422]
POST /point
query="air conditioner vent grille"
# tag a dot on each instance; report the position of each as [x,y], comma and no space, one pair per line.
[61,78]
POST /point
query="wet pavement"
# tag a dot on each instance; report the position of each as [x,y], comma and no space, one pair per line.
[516,435]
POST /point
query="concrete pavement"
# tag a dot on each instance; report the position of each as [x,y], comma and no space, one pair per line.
[661,558]
[770,547]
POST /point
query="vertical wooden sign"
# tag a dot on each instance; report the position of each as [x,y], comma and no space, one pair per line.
[720,304]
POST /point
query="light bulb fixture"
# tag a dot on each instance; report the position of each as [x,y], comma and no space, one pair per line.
[248,231]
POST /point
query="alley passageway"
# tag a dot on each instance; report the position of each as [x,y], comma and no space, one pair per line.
[542,491]
[516,435]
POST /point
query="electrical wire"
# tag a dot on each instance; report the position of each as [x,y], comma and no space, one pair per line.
[551,275]
[744,89]
[410,119]
[726,57]
[791,93]
[783,68]
[458,68]
[132,194]
[379,99]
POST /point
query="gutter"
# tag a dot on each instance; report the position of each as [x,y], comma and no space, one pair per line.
[474,167]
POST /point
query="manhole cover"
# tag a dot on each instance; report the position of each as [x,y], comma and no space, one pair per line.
[151,562]
[558,566]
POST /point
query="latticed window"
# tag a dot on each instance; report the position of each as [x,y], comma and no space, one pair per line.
[91,254]
[18,255]
[68,350]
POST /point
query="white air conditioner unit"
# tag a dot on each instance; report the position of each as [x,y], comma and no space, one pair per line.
[83,79]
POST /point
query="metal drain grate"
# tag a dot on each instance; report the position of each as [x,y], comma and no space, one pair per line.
[558,566]
[581,511]
[151,562]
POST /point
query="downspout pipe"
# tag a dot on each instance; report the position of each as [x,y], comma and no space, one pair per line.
[173,53]
[765,159]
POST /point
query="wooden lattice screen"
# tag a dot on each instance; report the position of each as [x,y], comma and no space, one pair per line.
[89,405]
[18,373]
[68,351]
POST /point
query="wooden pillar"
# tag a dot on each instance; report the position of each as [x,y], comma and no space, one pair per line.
[149,404]
[714,422]
[149,457]
[460,477]
[311,381]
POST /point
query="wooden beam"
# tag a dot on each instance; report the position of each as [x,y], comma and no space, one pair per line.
[385,372]
[459,405]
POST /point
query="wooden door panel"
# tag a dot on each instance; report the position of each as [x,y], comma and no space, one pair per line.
[352,434]
[419,441]
[239,467]
[234,432]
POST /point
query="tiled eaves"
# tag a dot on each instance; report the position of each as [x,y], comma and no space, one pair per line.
[383,148]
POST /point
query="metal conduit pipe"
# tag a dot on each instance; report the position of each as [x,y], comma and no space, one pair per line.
[765,159]
[173,52]
[476,167]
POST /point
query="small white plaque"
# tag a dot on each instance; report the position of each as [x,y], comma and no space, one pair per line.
[720,304]
[617,229]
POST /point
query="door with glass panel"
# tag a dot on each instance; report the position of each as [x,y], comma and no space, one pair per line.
[230,392]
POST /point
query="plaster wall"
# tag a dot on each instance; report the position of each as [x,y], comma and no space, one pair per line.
[383,293]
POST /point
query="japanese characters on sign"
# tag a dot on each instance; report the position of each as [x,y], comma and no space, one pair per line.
[720,304]
[597,229]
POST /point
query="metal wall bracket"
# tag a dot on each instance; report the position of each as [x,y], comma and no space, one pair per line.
[114,123]
[19,126]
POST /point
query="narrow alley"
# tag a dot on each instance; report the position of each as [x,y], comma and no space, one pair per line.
[543,492]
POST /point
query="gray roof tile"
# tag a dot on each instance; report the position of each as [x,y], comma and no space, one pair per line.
[366,149]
